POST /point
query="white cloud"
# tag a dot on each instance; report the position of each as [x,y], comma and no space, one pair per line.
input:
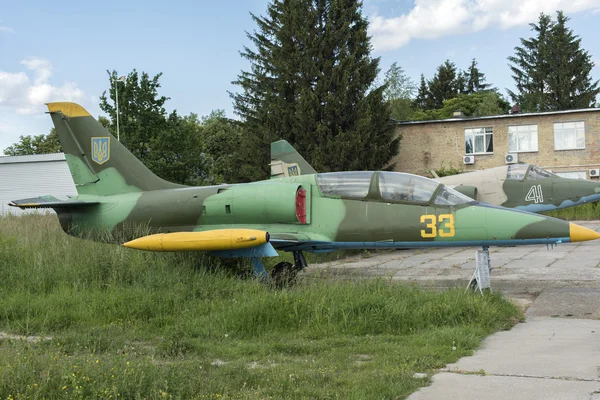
[6,29]
[26,92]
[430,19]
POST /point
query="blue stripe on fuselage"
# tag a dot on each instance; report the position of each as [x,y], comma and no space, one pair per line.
[320,246]
[536,208]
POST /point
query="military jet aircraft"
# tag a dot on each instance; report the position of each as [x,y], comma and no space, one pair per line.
[314,212]
[522,186]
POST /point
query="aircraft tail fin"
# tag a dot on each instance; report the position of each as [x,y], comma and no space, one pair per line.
[99,164]
[286,161]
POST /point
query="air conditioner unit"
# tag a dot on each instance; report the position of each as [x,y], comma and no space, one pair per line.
[511,158]
[595,173]
[469,160]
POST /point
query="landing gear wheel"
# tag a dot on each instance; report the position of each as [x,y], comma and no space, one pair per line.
[284,274]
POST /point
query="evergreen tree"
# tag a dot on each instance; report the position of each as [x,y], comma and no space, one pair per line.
[39,144]
[461,82]
[443,86]
[550,70]
[475,79]
[309,83]
[569,83]
[423,95]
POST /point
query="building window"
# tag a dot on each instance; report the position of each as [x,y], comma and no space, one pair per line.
[569,135]
[522,138]
[573,175]
[479,141]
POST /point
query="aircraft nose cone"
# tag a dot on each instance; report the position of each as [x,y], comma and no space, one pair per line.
[580,234]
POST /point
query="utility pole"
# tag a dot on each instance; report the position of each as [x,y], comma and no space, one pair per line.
[121,79]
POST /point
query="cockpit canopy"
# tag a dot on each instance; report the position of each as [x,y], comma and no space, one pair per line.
[391,187]
[528,172]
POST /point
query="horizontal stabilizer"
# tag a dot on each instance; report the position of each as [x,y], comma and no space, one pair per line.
[50,202]
[218,239]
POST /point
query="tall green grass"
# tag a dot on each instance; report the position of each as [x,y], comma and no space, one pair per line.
[132,324]
[584,212]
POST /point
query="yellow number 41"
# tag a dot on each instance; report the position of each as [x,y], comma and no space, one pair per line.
[431,230]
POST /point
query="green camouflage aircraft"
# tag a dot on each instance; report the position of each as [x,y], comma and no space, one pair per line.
[314,212]
[522,186]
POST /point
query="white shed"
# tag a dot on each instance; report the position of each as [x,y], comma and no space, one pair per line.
[24,177]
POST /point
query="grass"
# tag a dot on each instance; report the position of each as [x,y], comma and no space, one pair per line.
[132,324]
[584,212]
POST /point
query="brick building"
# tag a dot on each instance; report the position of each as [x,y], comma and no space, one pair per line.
[566,142]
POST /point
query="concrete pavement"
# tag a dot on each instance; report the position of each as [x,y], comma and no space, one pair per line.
[523,269]
[555,354]
[544,358]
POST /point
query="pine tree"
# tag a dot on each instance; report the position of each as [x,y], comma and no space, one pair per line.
[550,70]
[475,79]
[569,83]
[422,100]
[308,83]
[443,86]
[461,82]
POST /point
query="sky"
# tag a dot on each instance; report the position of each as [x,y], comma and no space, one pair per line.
[60,51]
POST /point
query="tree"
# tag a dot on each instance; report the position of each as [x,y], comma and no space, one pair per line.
[479,104]
[399,89]
[422,101]
[550,70]
[308,83]
[169,145]
[461,82]
[176,154]
[398,84]
[570,84]
[223,143]
[444,85]
[142,115]
[39,144]
[475,79]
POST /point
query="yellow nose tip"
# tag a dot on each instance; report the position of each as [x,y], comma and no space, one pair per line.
[580,234]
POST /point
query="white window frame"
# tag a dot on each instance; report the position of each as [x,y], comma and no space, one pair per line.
[531,129]
[480,131]
[559,125]
[570,174]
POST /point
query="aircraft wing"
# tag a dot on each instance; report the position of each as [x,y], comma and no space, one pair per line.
[50,202]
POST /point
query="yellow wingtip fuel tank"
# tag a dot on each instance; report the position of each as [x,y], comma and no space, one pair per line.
[580,234]
[219,239]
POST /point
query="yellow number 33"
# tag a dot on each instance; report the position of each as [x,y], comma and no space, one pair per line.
[431,230]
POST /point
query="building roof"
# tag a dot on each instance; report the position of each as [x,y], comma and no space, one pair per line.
[519,115]
[33,158]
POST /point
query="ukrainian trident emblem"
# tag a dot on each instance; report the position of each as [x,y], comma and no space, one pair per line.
[293,170]
[100,149]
